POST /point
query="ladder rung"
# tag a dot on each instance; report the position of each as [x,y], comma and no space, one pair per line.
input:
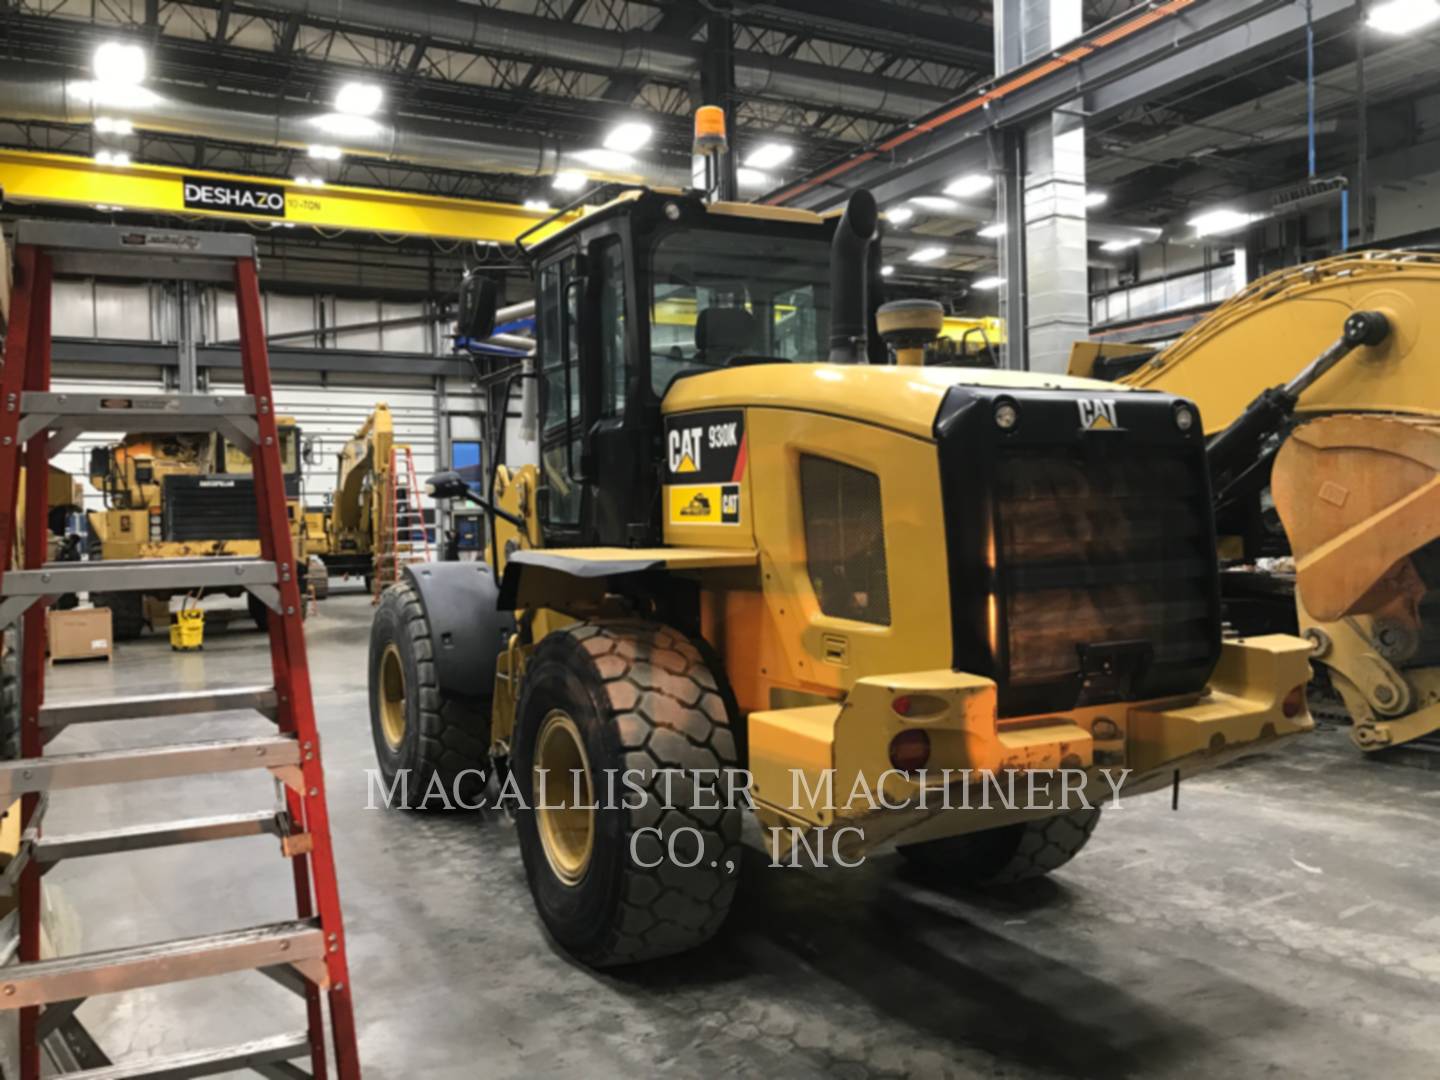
[139,575]
[51,849]
[161,413]
[182,703]
[147,763]
[276,1049]
[113,970]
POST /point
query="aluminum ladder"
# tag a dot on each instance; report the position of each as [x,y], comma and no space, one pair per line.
[307,954]
[405,538]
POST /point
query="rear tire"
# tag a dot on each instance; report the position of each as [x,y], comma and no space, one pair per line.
[1009,854]
[634,696]
[127,613]
[416,726]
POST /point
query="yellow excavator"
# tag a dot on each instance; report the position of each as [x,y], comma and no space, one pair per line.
[1322,404]
[357,507]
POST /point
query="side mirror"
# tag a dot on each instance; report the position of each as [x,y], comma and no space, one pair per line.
[447,485]
[479,301]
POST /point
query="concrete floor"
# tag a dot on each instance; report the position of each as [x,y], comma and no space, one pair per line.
[1285,922]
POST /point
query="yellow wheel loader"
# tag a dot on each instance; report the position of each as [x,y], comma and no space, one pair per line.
[182,495]
[1322,402]
[842,595]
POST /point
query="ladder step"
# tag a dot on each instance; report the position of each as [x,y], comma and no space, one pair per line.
[160,413]
[139,575]
[250,1055]
[182,703]
[147,763]
[51,849]
[113,970]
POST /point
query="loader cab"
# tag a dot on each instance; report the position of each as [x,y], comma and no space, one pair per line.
[650,289]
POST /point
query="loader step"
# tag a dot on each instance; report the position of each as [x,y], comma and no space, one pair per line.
[183,703]
[148,763]
[51,849]
[255,1055]
[113,970]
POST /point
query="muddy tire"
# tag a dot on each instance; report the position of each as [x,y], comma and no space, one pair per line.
[618,696]
[1010,854]
[439,738]
[127,613]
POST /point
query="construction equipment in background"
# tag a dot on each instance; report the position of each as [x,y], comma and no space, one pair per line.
[1321,398]
[307,955]
[404,536]
[180,494]
[357,504]
[721,555]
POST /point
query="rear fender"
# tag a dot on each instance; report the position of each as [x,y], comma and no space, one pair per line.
[468,629]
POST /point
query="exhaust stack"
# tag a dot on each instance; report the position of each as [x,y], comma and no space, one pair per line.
[850,280]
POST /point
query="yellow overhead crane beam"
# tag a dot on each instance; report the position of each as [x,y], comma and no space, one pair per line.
[28,177]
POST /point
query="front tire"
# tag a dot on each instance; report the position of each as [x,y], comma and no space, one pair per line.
[614,700]
[1009,854]
[127,613]
[430,737]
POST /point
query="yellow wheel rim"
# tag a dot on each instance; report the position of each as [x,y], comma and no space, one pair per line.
[563,804]
[390,695]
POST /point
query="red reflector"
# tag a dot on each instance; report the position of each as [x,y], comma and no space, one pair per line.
[902,705]
[910,750]
[1294,703]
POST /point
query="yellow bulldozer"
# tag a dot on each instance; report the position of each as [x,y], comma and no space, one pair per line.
[182,495]
[1322,405]
[836,594]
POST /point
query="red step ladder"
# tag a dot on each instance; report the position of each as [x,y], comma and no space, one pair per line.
[404,536]
[305,955]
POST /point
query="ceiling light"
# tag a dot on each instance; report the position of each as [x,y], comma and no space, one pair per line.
[1403,16]
[770,155]
[935,202]
[927,254]
[992,232]
[608,160]
[1120,245]
[112,157]
[1096,198]
[310,181]
[570,180]
[969,184]
[1217,222]
[900,215]
[324,152]
[987,283]
[358,99]
[107,125]
[628,137]
[752,178]
[886,270]
[106,208]
[119,64]
[346,125]
[538,204]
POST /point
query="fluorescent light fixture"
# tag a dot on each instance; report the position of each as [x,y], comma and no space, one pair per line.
[1096,198]
[886,270]
[1218,222]
[359,99]
[324,152]
[992,232]
[628,137]
[112,157]
[310,181]
[538,204]
[969,184]
[108,125]
[118,64]
[106,208]
[900,215]
[770,155]
[570,180]
[345,125]
[1120,245]
[987,283]
[752,178]
[927,254]
[607,160]
[935,202]
[1403,16]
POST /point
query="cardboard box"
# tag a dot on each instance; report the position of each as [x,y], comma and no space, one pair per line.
[79,634]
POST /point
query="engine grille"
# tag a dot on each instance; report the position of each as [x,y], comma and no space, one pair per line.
[199,508]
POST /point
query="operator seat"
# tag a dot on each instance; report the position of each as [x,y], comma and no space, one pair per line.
[722,333]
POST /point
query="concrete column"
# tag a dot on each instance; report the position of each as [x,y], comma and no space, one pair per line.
[1057,293]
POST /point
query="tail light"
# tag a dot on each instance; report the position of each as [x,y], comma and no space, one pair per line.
[910,750]
[1294,703]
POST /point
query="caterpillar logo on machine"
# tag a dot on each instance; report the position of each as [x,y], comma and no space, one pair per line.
[1097,414]
[703,504]
[698,506]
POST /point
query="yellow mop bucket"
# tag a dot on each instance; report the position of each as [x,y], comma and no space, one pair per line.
[187,629]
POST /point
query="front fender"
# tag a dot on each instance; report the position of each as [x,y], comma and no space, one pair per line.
[467,627]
